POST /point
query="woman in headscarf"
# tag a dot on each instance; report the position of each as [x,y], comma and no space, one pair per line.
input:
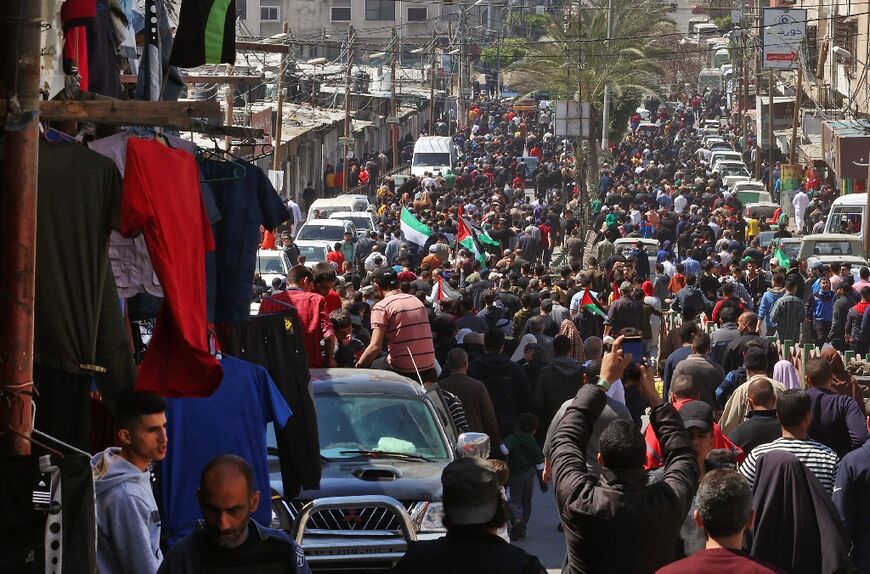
[785,373]
[796,525]
[843,382]
[569,329]
[528,355]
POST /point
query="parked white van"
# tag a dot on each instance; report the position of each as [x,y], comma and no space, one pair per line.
[433,154]
[848,215]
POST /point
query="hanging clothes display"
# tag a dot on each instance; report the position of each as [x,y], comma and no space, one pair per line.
[103,48]
[77,16]
[34,540]
[275,342]
[157,79]
[206,33]
[162,198]
[79,331]
[231,421]
[131,264]
[245,204]
[80,194]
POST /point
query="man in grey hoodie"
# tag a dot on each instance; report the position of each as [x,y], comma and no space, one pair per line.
[128,522]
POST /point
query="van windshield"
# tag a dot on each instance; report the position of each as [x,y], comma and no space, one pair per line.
[845,219]
[432,159]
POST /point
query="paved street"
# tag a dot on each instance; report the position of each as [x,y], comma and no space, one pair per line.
[542,539]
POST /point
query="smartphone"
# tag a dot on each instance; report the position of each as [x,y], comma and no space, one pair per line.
[633,345]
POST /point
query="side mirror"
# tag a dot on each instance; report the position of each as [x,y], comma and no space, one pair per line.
[472,444]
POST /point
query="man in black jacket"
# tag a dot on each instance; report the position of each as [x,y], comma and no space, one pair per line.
[505,380]
[618,523]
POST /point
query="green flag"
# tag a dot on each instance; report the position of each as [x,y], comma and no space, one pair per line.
[781,258]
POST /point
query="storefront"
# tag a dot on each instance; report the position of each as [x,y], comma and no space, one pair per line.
[845,148]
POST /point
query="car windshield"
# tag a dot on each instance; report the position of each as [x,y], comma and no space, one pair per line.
[833,248]
[627,248]
[269,264]
[312,253]
[348,424]
[432,159]
[322,232]
[791,249]
[765,237]
[361,222]
[727,170]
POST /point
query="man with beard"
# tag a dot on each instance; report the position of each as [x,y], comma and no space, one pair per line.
[228,539]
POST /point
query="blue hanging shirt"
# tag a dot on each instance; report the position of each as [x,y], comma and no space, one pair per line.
[231,421]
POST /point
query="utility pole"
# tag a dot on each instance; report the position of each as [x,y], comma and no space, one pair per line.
[347,95]
[276,156]
[21,25]
[770,128]
[605,118]
[463,64]
[229,94]
[432,86]
[796,116]
[394,128]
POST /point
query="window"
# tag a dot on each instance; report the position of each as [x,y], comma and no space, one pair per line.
[380,10]
[269,13]
[339,14]
[417,14]
[812,49]
[846,37]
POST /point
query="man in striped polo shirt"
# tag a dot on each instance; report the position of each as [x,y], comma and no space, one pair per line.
[402,321]
[794,411]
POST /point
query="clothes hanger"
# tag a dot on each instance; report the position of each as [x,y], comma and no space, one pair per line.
[238,169]
[36,442]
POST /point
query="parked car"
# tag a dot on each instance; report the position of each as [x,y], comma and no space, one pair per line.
[760,210]
[833,248]
[313,251]
[329,230]
[272,263]
[531,165]
[327,206]
[384,441]
[625,245]
[728,168]
[361,219]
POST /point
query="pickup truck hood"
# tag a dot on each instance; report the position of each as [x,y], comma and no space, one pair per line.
[403,480]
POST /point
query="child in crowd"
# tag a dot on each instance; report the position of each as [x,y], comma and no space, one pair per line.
[525,461]
[348,347]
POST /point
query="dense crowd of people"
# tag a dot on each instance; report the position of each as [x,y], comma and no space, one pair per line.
[627,359]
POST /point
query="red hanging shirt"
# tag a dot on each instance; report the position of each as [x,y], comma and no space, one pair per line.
[161,198]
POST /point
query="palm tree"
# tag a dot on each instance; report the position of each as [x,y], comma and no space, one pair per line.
[575,60]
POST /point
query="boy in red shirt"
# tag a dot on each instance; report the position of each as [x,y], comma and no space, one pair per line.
[311,308]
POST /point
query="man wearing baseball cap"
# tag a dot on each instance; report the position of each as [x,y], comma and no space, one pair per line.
[474,510]
[402,321]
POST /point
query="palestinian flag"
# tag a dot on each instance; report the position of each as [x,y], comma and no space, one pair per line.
[412,229]
[781,258]
[587,303]
[484,237]
[469,239]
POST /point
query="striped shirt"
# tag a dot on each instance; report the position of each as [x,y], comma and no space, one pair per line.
[819,459]
[405,323]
